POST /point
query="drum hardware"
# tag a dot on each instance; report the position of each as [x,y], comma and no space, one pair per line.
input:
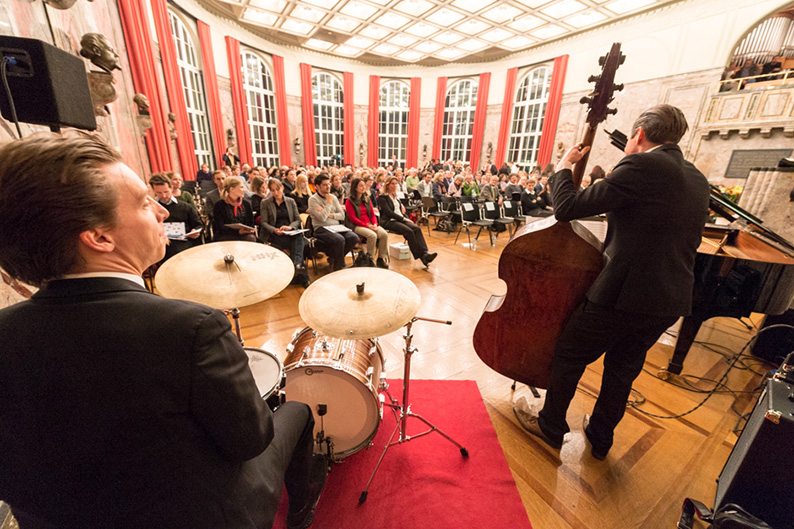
[403,411]
[236,317]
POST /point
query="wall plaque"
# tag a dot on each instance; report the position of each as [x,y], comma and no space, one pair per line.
[742,161]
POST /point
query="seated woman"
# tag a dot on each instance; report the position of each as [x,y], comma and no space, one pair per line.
[301,194]
[337,189]
[279,217]
[259,191]
[392,214]
[361,213]
[439,187]
[232,209]
[456,188]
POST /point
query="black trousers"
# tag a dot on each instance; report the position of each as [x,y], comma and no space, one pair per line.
[336,245]
[293,243]
[412,233]
[287,459]
[624,338]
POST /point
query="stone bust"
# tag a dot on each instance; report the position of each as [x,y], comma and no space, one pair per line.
[98,49]
[142,102]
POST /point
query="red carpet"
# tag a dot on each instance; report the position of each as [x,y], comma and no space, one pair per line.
[426,482]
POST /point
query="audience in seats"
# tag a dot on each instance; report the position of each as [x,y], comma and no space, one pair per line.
[326,214]
[531,203]
[456,188]
[470,187]
[203,173]
[491,192]
[178,213]
[232,209]
[301,193]
[337,189]
[425,186]
[260,191]
[392,214]
[361,213]
[279,217]
[176,189]
[215,195]
[289,180]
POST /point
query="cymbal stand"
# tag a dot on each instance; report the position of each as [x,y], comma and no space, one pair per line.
[236,317]
[403,411]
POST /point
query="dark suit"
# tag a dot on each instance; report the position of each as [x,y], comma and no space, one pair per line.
[125,409]
[656,205]
[394,222]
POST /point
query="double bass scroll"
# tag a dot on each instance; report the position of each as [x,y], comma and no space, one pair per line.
[548,267]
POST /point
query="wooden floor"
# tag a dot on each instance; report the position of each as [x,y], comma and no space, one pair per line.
[654,464]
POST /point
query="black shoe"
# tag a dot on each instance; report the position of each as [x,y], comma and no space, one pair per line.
[305,516]
[429,257]
[304,281]
[424,260]
[381,263]
[595,452]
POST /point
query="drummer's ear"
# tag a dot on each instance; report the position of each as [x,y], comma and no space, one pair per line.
[97,240]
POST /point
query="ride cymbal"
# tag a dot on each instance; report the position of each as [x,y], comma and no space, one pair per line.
[224,275]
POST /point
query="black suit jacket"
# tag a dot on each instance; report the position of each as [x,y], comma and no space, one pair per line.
[268,212]
[120,408]
[656,205]
[387,213]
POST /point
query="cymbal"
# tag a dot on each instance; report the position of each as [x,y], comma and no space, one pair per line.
[201,274]
[333,305]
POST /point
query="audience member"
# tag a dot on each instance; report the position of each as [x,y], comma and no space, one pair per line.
[361,213]
[229,158]
[179,213]
[232,210]
[203,173]
[215,195]
[279,217]
[491,191]
[412,182]
[301,193]
[470,187]
[327,214]
[176,189]
[425,187]
[393,217]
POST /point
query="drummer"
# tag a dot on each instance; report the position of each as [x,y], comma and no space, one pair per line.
[125,409]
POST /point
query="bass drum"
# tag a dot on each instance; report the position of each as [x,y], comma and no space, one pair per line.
[343,376]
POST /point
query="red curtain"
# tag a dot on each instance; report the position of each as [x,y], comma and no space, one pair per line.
[238,100]
[552,110]
[213,96]
[479,120]
[349,130]
[307,104]
[412,147]
[282,119]
[507,111]
[438,128]
[135,25]
[373,128]
[173,86]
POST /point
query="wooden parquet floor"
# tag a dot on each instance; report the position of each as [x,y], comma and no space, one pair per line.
[654,464]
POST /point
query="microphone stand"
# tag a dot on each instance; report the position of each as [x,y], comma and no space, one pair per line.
[403,411]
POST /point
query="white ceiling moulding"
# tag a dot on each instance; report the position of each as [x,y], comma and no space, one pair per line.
[426,32]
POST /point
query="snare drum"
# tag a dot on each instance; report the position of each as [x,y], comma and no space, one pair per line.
[344,376]
[268,373]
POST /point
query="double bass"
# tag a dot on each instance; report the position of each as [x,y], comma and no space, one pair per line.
[548,267]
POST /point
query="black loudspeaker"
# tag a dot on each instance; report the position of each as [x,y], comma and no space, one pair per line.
[774,344]
[759,473]
[48,85]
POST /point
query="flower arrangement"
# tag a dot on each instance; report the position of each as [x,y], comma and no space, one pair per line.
[732,193]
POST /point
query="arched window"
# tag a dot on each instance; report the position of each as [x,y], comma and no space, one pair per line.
[261,99]
[394,104]
[459,109]
[193,85]
[529,109]
[328,99]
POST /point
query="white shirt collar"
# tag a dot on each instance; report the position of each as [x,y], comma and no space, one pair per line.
[120,275]
[172,201]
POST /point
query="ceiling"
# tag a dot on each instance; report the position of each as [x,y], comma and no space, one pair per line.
[424,32]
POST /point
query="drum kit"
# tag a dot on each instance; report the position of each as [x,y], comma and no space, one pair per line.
[335,365]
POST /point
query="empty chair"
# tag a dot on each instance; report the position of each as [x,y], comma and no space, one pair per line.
[470,215]
[508,218]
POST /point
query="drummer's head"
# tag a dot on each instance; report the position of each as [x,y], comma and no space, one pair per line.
[656,126]
[87,212]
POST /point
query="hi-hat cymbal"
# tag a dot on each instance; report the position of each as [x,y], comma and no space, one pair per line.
[334,306]
[202,274]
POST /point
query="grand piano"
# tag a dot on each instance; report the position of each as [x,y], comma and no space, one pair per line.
[739,269]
